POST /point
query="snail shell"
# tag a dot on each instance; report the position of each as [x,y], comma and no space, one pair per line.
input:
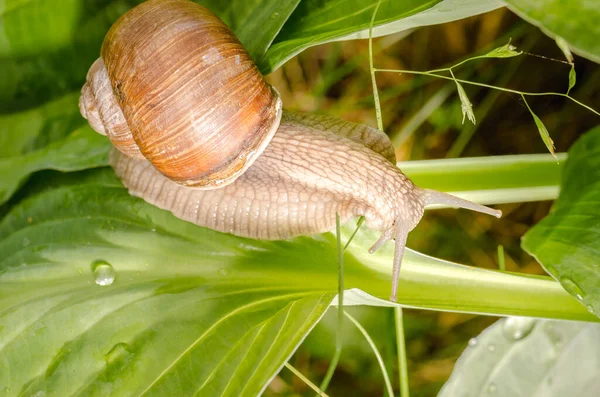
[201,118]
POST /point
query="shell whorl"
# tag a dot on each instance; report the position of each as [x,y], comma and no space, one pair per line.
[175,86]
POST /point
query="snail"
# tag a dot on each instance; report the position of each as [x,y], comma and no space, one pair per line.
[199,132]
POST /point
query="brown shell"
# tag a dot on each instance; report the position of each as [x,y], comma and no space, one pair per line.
[196,105]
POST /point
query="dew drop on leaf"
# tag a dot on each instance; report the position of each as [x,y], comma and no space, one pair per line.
[516,328]
[572,287]
[119,354]
[491,347]
[104,274]
[590,309]
[492,388]
[473,342]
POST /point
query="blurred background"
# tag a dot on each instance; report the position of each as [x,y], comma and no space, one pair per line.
[423,117]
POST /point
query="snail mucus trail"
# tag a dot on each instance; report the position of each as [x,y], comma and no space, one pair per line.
[199,132]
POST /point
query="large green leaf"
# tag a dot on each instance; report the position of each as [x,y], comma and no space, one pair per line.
[316,22]
[442,12]
[524,357]
[178,318]
[82,149]
[102,293]
[567,242]
[23,132]
[255,22]
[576,21]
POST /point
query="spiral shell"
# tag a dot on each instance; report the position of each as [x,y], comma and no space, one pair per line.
[175,86]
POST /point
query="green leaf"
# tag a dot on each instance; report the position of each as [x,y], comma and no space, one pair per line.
[567,242]
[170,324]
[506,51]
[524,357]
[441,12]
[465,104]
[574,21]
[256,23]
[82,149]
[544,134]
[572,78]
[29,130]
[316,22]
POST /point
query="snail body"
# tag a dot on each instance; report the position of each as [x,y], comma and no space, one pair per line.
[289,174]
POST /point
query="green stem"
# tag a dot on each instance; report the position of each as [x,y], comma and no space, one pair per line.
[492,86]
[401,351]
[361,220]
[501,262]
[340,313]
[305,380]
[372,69]
[449,68]
[386,378]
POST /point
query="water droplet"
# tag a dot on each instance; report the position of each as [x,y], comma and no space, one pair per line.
[492,388]
[473,342]
[153,230]
[7,390]
[104,274]
[491,347]
[515,328]
[119,352]
[39,393]
[572,287]
[223,271]
[274,15]
[590,309]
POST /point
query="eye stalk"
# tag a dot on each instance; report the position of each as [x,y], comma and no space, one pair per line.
[402,226]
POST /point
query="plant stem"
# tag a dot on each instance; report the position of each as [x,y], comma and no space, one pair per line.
[386,377]
[358,225]
[492,86]
[401,351]
[305,380]
[501,262]
[340,325]
[373,70]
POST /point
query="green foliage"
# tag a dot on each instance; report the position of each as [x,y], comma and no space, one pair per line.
[567,242]
[576,22]
[525,357]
